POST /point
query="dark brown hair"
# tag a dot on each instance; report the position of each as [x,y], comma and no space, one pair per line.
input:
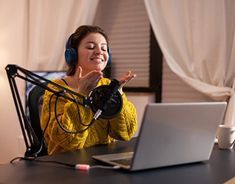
[80,33]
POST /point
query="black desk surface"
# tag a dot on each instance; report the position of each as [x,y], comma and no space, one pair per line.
[220,168]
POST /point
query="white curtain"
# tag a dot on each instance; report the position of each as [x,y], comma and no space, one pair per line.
[49,25]
[33,35]
[197,41]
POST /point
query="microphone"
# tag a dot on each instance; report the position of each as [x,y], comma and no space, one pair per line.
[106,100]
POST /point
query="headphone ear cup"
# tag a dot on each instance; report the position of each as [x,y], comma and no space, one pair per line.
[107,69]
[110,57]
[71,56]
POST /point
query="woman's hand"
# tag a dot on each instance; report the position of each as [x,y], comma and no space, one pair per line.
[86,83]
[125,78]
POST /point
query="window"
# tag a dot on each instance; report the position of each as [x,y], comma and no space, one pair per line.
[132,43]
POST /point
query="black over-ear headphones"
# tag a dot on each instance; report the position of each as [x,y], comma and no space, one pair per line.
[71,55]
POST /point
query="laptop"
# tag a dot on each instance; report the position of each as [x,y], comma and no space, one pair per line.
[172,134]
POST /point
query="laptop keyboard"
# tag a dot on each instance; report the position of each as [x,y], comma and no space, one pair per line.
[123,161]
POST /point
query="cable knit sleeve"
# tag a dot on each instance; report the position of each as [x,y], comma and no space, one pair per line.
[124,125]
[69,115]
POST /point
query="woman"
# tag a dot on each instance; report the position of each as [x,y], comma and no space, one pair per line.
[86,56]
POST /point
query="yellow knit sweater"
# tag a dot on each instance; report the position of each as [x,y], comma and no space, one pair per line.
[75,118]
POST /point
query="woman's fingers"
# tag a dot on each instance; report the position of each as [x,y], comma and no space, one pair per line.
[127,77]
[89,81]
[94,76]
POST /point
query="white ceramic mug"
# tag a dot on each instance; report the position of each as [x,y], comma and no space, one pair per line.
[226,136]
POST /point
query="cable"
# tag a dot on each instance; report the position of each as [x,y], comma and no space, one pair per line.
[68,131]
[105,167]
[86,167]
[41,161]
[80,167]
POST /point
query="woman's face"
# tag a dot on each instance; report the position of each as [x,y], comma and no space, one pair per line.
[92,53]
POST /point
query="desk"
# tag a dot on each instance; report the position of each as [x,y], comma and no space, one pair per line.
[220,168]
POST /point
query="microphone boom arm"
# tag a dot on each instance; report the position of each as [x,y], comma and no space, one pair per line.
[13,72]
[105,101]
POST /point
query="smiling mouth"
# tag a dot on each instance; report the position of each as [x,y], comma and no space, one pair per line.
[97,59]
